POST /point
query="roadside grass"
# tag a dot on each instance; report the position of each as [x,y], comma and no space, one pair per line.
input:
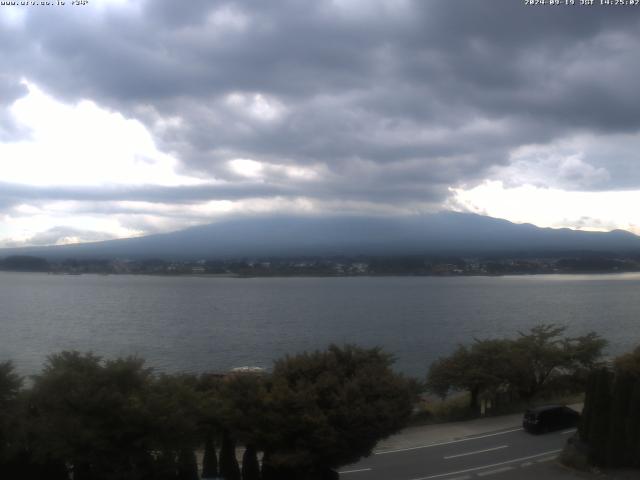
[432,410]
[455,408]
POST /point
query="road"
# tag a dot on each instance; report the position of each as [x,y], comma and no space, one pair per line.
[499,453]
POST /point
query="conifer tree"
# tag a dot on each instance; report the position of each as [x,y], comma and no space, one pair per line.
[633,424]
[229,468]
[210,459]
[250,466]
[586,419]
[166,467]
[618,439]
[10,385]
[267,470]
[596,418]
[187,465]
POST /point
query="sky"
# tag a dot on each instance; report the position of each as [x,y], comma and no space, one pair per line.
[122,118]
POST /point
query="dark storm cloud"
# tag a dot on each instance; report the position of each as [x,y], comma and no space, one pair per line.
[12,194]
[398,99]
[371,185]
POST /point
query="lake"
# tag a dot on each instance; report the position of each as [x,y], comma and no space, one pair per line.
[197,324]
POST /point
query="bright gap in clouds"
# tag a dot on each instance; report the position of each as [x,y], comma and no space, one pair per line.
[548,207]
[83,144]
[78,145]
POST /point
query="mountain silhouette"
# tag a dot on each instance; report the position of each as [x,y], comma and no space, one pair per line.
[442,233]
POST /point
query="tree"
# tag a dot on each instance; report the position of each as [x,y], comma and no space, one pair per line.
[596,415]
[240,410]
[240,406]
[268,471]
[484,367]
[633,426]
[626,402]
[165,466]
[92,415]
[619,435]
[210,423]
[610,422]
[10,385]
[187,465]
[229,468]
[24,263]
[542,357]
[209,459]
[629,363]
[250,465]
[175,409]
[330,408]
[538,361]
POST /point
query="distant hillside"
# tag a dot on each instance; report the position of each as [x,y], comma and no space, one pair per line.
[285,236]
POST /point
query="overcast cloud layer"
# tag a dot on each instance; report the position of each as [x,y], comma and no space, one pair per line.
[174,113]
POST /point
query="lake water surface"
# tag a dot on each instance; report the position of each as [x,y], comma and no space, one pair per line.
[197,324]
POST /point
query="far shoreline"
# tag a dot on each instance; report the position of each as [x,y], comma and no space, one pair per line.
[390,275]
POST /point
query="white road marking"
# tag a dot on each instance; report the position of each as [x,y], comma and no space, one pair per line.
[568,431]
[477,451]
[440,475]
[502,432]
[547,459]
[447,443]
[526,464]
[355,471]
[497,470]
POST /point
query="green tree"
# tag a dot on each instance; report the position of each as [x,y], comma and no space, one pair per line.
[611,416]
[24,263]
[241,406]
[594,425]
[175,408]
[538,361]
[229,468]
[329,408]
[250,465]
[619,435]
[542,357]
[209,459]
[268,471]
[627,367]
[210,423]
[187,465]
[241,414]
[482,368]
[10,386]
[633,426]
[165,466]
[629,363]
[91,415]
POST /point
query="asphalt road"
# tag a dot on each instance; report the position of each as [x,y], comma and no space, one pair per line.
[484,455]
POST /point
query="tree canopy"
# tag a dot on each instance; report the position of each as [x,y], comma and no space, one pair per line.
[629,363]
[536,362]
[330,408]
[94,419]
[92,414]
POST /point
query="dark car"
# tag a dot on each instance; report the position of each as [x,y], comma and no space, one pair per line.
[549,418]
